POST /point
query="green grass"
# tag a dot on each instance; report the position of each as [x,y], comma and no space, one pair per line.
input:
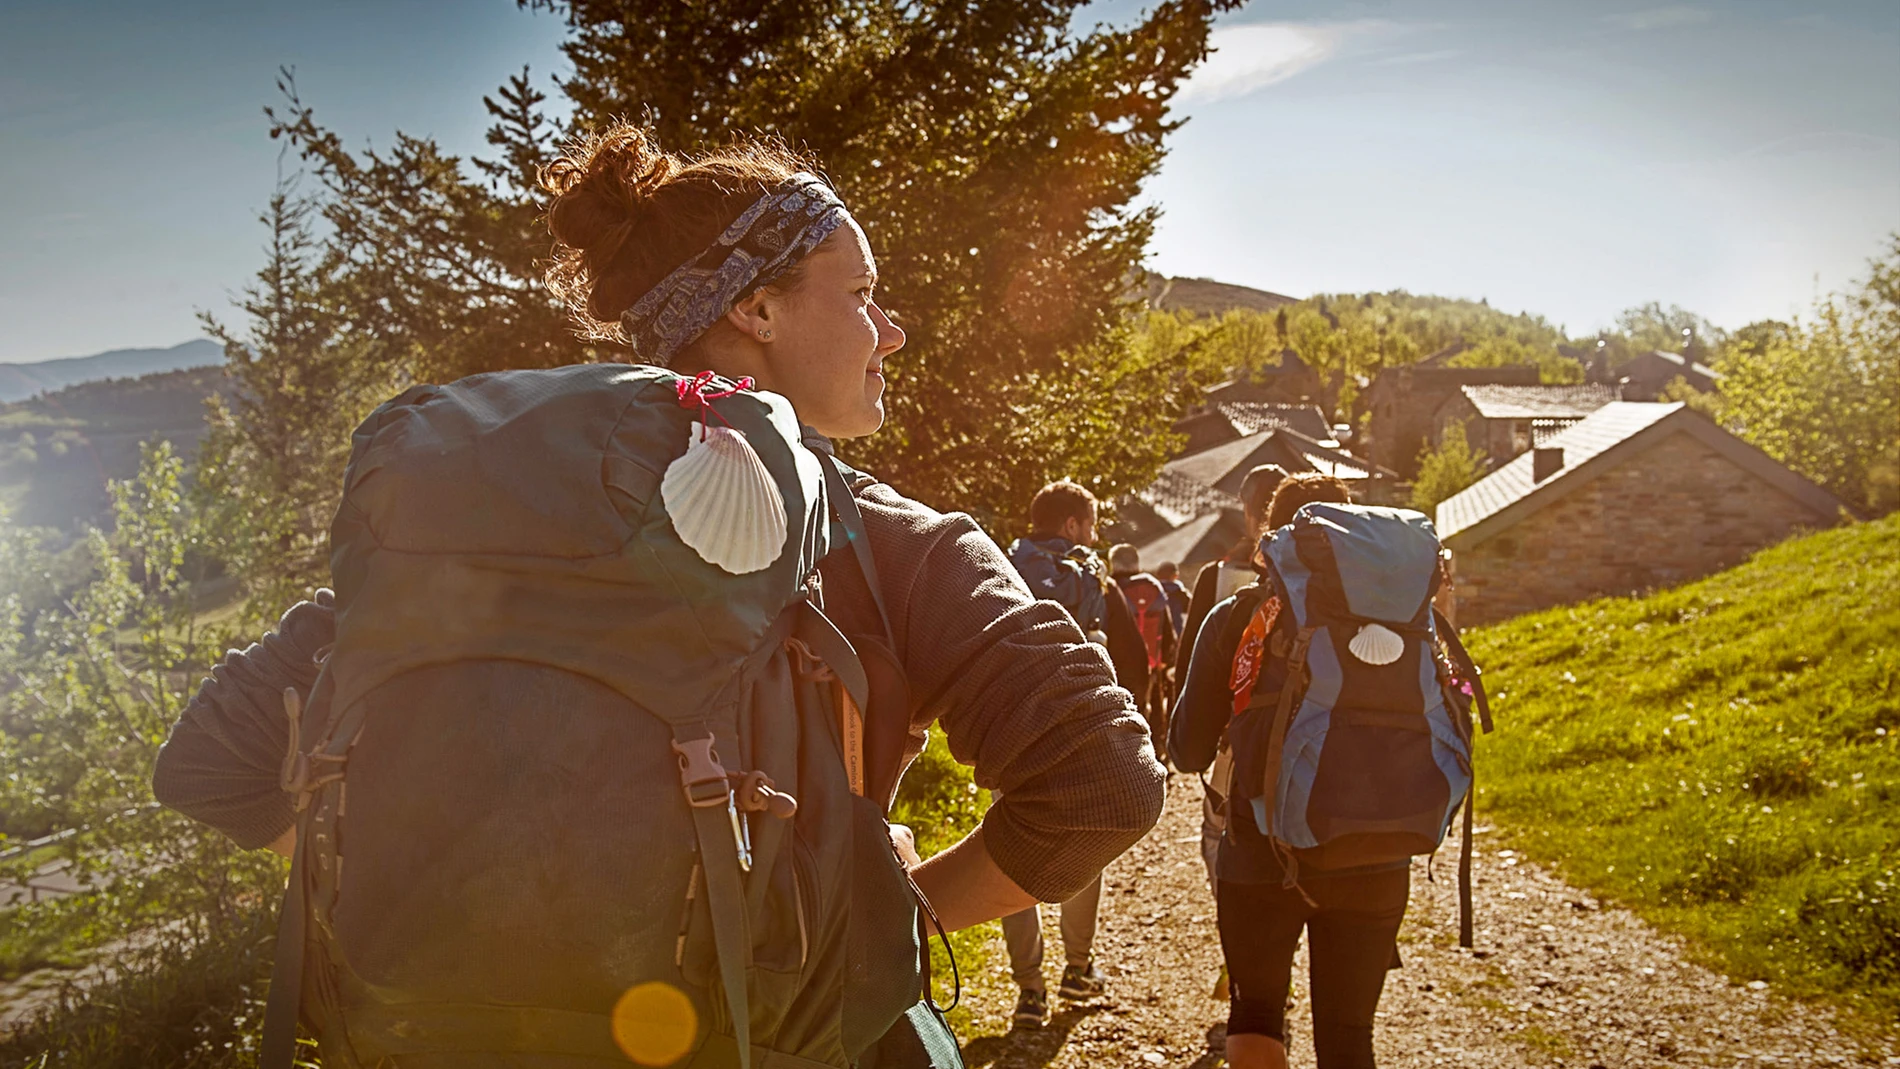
[185,1007]
[57,933]
[1724,758]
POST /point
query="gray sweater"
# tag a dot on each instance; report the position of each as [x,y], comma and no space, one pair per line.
[1023,698]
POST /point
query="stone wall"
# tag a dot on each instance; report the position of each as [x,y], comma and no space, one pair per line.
[1673,512]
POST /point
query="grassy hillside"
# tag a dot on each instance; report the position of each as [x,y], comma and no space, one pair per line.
[1723,757]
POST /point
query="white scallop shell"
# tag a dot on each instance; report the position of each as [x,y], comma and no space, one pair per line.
[724,501]
[1377,644]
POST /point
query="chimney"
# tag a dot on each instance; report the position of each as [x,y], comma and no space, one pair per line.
[1545,462]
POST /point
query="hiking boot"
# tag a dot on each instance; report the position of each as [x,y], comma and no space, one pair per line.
[1080,982]
[1032,1009]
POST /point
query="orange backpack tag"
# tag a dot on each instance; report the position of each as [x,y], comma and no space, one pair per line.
[1252,650]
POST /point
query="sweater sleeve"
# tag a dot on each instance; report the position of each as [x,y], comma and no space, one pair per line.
[1201,712]
[222,761]
[1023,697]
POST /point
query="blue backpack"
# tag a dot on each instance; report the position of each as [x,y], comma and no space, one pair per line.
[1362,755]
[1059,571]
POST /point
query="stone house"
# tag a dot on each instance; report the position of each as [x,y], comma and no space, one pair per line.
[1645,375]
[1633,497]
[1507,420]
[1402,406]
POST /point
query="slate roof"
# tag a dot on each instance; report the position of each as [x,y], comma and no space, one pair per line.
[1178,498]
[1201,539]
[1685,363]
[1249,417]
[1594,444]
[1223,466]
[1539,402]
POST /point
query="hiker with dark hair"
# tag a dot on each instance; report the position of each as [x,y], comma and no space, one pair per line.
[1342,614]
[1147,604]
[1217,582]
[1219,579]
[623,668]
[1058,565]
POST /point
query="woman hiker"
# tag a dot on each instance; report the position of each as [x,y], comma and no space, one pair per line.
[1352,917]
[1024,699]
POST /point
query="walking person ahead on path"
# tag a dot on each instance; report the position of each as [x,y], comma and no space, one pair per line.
[1219,579]
[1147,602]
[1058,565]
[564,916]
[1341,708]
[1351,917]
[1170,575]
[1217,582]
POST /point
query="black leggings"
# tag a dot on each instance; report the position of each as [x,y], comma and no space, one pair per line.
[1353,941]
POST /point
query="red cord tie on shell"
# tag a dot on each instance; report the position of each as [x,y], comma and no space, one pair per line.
[698,392]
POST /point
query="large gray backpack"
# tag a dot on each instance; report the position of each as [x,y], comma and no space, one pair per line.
[569,794]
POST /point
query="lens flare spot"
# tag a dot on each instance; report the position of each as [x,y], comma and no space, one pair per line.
[655,1023]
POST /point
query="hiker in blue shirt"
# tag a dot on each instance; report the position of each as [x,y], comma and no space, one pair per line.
[1058,565]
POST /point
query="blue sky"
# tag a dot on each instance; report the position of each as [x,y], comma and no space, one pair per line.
[1570,159]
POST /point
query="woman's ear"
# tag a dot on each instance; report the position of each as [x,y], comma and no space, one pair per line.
[752,316]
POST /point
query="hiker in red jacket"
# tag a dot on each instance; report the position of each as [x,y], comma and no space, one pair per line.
[1147,602]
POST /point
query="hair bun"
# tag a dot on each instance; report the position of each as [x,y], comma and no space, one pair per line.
[597,200]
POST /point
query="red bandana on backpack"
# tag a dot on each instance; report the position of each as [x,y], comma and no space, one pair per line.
[1251,652]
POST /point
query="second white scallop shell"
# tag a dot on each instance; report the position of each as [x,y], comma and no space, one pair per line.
[724,502]
[1377,644]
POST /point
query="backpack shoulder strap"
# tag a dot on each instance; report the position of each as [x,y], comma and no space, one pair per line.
[845,504]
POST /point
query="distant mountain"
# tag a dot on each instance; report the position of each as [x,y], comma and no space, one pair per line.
[21,381]
[59,449]
[1204,296]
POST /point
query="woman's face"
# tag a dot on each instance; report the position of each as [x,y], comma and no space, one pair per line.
[829,339]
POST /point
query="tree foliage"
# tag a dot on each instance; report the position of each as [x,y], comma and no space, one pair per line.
[1348,338]
[993,153]
[1446,469]
[272,463]
[1823,397]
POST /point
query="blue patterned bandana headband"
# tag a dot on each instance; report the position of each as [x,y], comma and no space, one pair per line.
[777,231]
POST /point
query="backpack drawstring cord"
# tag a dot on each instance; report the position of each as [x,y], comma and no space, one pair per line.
[698,392]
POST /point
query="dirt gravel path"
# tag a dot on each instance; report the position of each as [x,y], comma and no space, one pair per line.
[1557,980]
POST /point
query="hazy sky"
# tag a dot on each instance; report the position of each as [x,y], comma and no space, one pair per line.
[1566,158]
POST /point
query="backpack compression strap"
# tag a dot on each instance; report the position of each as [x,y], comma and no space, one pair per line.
[1297,677]
[723,854]
[1462,661]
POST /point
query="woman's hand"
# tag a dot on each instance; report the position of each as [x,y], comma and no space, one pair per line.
[905,843]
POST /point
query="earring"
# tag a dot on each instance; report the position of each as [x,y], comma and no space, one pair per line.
[765,334]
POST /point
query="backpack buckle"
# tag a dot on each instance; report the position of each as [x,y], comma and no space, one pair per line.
[702,777]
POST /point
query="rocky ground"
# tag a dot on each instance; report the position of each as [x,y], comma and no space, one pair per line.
[1557,980]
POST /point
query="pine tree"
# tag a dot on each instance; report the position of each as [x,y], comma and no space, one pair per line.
[992,152]
[272,463]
